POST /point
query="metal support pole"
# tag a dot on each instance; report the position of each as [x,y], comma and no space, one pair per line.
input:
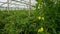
[8,5]
[29,7]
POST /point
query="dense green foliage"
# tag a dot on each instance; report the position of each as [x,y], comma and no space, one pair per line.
[44,20]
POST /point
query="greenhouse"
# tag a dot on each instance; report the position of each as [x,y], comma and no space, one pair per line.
[29,16]
[15,4]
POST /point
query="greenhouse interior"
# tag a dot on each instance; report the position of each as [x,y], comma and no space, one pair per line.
[29,16]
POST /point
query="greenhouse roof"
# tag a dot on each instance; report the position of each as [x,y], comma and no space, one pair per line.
[18,3]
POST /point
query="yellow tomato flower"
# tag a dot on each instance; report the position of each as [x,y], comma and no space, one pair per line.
[40,4]
[39,18]
[41,29]
[42,18]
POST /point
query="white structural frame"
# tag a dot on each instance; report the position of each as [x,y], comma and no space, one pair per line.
[28,5]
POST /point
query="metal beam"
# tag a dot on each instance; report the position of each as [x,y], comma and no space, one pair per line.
[29,7]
